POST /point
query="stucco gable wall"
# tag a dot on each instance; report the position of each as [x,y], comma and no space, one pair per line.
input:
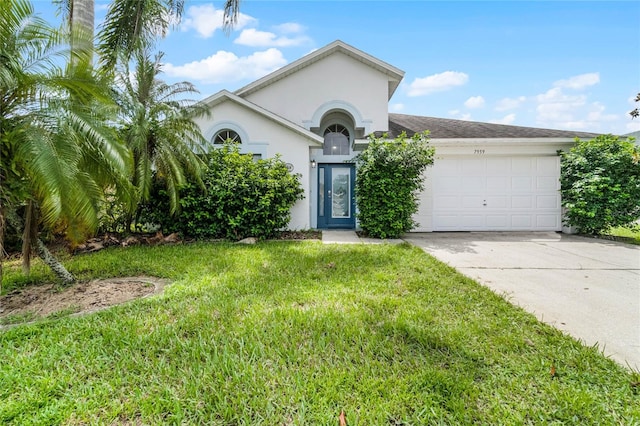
[268,138]
[337,77]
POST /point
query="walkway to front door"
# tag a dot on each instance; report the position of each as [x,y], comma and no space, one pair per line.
[336,201]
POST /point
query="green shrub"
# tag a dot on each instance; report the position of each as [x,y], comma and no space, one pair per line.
[242,198]
[600,184]
[389,181]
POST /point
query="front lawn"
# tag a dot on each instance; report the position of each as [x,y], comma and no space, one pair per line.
[291,333]
[631,236]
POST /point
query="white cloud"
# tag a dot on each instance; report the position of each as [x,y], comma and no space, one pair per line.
[506,104]
[579,81]
[254,38]
[633,126]
[597,113]
[507,119]
[206,19]
[397,107]
[224,67]
[437,83]
[557,109]
[289,28]
[474,102]
[455,113]
[554,106]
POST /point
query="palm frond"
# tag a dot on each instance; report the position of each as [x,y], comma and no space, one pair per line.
[133,25]
[230,17]
[56,145]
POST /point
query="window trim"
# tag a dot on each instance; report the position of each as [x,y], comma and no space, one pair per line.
[231,135]
[336,129]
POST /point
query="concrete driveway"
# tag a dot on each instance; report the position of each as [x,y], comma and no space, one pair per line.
[586,287]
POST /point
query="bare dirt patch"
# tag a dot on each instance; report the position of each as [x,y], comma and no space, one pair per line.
[35,302]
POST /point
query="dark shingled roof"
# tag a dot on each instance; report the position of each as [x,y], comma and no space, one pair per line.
[445,128]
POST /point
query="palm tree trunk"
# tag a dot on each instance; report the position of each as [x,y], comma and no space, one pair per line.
[2,229]
[28,236]
[83,15]
[58,268]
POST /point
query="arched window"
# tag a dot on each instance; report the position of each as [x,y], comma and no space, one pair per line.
[336,140]
[225,135]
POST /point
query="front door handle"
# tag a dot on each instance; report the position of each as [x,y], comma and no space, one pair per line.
[329,194]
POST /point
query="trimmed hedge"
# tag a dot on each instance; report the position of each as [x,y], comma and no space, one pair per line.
[390,177]
[600,184]
[241,198]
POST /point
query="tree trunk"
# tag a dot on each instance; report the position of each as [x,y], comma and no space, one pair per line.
[53,263]
[2,229]
[58,268]
[83,15]
[29,235]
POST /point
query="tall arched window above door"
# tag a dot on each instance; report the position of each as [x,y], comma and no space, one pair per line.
[225,135]
[336,140]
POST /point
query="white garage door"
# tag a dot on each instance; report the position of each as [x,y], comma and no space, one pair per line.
[496,194]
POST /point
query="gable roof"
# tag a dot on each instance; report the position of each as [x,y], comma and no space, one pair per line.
[394,74]
[445,128]
[225,95]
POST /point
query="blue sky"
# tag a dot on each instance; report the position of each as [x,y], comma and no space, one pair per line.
[565,65]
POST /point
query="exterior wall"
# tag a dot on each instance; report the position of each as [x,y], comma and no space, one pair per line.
[261,135]
[332,80]
[486,148]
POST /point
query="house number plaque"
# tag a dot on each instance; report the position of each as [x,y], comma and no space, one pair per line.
[478,151]
[289,167]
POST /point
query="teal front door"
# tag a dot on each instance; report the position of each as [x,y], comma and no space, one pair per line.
[336,201]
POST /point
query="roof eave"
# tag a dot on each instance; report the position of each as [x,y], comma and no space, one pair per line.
[394,74]
[225,95]
[501,141]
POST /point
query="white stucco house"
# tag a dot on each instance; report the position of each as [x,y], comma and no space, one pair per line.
[317,112]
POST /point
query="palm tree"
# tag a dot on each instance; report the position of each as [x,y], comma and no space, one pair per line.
[132,24]
[158,127]
[83,14]
[56,152]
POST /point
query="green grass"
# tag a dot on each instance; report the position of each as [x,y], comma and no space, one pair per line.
[627,235]
[285,333]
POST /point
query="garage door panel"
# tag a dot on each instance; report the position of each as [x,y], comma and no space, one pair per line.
[497,184]
[522,202]
[472,202]
[496,193]
[446,221]
[497,202]
[521,221]
[547,166]
[547,183]
[498,166]
[473,184]
[521,166]
[547,202]
[498,221]
[473,221]
[473,166]
[446,167]
[446,184]
[521,184]
[547,221]
[446,203]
